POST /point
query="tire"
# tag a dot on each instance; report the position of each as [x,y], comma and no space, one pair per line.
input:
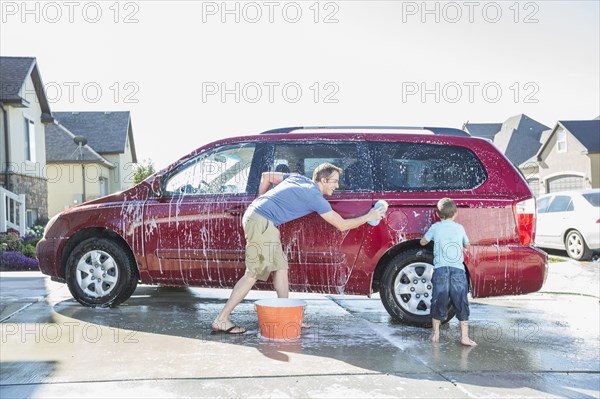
[576,246]
[100,273]
[407,301]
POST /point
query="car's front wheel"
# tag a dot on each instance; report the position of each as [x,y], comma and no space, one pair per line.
[100,273]
[576,246]
[406,288]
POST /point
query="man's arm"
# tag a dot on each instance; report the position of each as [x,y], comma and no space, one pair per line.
[267,179]
[334,218]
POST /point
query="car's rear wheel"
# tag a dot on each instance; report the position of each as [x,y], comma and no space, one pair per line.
[101,273]
[576,246]
[406,288]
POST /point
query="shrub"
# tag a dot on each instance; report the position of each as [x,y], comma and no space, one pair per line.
[13,260]
[29,250]
[37,231]
[32,240]
[10,241]
[18,253]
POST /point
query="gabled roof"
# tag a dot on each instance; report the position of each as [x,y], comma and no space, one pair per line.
[106,132]
[525,140]
[518,137]
[586,132]
[61,148]
[13,75]
[485,130]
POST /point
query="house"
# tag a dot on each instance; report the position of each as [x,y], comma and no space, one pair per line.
[570,157]
[100,163]
[24,115]
[485,130]
[519,138]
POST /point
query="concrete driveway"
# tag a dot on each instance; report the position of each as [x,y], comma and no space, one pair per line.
[158,344]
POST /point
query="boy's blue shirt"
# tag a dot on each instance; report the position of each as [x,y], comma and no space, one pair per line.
[448,239]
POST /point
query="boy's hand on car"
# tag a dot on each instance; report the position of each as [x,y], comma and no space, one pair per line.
[376,213]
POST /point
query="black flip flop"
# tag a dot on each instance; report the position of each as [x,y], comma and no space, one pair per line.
[228,331]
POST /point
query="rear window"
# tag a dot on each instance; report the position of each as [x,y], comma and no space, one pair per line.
[428,167]
[593,198]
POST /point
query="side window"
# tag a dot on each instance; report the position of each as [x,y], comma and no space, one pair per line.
[593,199]
[224,170]
[304,157]
[428,167]
[542,205]
[561,203]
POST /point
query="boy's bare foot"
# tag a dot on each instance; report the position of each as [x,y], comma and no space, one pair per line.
[468,341]
[464,333]
[435,330]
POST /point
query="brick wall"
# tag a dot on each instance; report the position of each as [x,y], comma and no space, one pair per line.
[34,188]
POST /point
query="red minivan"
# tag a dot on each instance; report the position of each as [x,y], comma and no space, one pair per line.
[182,226]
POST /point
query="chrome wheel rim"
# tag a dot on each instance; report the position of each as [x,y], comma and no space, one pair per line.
[97,273]
[412,288]
[574,245]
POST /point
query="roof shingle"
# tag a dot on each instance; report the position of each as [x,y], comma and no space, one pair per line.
[60,147]
[13,72]
[486,130]
[106,132]
[587,132]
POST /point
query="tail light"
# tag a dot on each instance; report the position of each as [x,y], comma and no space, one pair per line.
[525,216]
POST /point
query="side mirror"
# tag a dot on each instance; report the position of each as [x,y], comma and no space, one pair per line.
[156,185]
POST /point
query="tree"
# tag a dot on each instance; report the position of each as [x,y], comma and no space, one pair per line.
[143,170]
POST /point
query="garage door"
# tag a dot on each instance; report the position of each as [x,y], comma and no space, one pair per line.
[566,182]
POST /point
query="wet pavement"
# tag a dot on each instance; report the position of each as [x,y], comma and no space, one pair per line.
[158,344]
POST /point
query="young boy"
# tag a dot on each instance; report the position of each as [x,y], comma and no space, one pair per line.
[449,279]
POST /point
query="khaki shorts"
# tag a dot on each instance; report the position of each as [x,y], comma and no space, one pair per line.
[263,247]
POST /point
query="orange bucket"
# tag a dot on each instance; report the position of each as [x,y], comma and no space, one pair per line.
[280,318]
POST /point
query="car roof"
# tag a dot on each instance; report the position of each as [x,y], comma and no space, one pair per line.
[370,130]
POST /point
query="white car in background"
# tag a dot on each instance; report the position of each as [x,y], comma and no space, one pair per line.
[569,220]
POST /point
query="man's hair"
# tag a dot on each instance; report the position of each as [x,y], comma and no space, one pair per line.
[324,171]
[446,208]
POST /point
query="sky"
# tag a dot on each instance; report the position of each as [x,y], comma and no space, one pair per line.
[192,72]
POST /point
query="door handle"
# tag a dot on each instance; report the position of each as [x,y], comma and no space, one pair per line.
[235,210]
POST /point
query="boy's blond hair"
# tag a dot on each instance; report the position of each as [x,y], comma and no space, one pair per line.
[324,171]
[446,208]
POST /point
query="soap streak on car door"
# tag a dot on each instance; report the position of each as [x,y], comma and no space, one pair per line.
[320,257]
[198,237]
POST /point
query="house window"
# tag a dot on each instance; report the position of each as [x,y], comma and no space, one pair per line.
[561,141]
[32,216]
[103,190]
[29,140]
[534,185]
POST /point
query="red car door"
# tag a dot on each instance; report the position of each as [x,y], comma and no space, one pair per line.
[193,231]
[320,257]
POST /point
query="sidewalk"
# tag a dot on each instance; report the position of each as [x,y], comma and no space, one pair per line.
[158,344]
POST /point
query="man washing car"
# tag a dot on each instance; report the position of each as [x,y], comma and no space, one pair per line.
[293,197]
